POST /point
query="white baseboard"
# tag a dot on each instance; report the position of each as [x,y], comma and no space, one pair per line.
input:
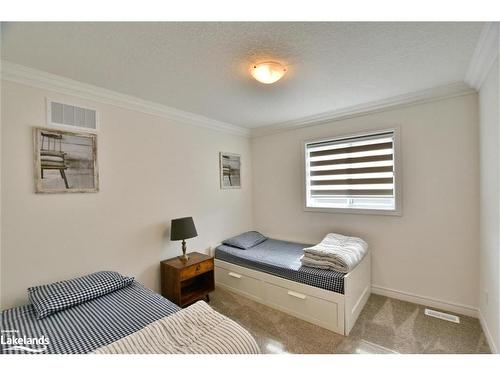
[487,333]
[426,301]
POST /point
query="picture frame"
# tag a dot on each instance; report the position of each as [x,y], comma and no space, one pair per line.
[230,170]
[65,161]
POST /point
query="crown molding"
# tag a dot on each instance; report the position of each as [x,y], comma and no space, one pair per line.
[484,55]
[37,78]
[418,97]
[47,81]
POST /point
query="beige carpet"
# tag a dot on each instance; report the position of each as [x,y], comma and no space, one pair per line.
[386,325]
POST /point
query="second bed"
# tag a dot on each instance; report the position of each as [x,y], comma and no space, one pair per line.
[271,273]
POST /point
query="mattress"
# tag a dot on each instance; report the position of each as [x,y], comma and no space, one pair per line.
[84,328]
[282,259]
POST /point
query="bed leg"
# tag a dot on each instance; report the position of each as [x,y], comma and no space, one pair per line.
[207,297]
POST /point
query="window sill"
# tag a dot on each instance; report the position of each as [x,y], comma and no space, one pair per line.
[356,211]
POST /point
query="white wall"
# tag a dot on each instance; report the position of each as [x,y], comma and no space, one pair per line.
[432,249]
[151,170]
[1,26]
[489,102]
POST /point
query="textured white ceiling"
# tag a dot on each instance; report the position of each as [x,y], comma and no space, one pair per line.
[203,67]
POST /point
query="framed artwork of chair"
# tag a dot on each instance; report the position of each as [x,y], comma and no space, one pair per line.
[230,170]
[65,162]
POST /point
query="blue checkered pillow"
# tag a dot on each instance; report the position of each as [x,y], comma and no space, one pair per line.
[48,299]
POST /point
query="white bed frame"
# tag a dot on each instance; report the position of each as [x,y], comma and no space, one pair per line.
[334,311]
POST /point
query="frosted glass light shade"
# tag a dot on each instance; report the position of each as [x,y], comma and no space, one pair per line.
[268,72]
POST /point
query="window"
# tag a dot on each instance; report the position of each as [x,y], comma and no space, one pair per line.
[350,174]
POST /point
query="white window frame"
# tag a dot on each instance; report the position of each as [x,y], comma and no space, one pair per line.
[398,188]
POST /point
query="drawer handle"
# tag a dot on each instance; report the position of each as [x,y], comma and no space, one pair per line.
[198,267]
[296,295]
[235,275]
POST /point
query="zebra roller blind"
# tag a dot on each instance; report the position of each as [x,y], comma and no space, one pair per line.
[355,172]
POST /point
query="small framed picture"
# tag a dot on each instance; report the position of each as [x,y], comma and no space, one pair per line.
[65,162]
[230,170]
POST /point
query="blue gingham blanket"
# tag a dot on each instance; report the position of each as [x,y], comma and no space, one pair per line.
[282,259]
[85,327]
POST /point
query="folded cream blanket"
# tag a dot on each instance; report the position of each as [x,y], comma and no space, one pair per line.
[336,252]
[197,329]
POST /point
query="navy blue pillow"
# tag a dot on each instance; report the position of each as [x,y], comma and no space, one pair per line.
[48,299]
[245,240]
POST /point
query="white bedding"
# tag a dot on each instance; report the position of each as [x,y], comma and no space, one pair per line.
[336,252]
[197,329]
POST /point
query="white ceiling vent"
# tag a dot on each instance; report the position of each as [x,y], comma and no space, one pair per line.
[68,115]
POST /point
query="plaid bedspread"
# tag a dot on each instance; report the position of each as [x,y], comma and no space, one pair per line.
[85,327]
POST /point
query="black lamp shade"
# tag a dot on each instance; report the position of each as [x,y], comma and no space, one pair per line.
[182,229]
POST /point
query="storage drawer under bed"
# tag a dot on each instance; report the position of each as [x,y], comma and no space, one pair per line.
[302,301]
[307,307]
[239,282]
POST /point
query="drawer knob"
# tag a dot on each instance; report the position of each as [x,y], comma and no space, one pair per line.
[198,267]
[235,275]
[296,295]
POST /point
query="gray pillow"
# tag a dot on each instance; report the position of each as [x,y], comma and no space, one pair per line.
[245,240]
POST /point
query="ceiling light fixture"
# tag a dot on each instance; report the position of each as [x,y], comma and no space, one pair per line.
[268,72]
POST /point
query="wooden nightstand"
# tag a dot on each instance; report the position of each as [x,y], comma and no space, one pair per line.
[186,282]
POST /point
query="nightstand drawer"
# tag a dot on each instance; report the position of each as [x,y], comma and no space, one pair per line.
[196,269]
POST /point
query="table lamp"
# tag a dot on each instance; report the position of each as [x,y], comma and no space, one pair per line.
[182,229]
